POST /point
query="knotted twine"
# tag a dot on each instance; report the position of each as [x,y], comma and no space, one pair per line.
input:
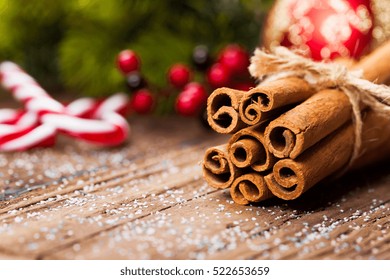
[282,63]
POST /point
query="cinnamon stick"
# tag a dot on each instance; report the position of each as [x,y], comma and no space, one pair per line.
[375,66]
[248,188]
[218,170]
[290,178]
[375,140]
[300,128]
[258,103]
[222,110]
[246,149]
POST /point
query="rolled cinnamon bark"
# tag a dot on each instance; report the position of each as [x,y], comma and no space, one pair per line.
[248,188]
[375,66]
[375,140]
[258,103]
[218,170]
[246,149]
[298,129]
[306,124]
[222,110]
[290,178]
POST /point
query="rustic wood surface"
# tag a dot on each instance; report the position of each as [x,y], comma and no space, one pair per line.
[147,200]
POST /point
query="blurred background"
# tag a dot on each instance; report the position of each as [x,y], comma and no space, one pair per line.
[71,45]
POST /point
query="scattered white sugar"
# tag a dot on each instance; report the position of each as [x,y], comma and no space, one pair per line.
[112,221]
[357,248]
[284,247]
[32,246]
[12,212]
[76,247]
[277,241]
[50,236]
[18,219]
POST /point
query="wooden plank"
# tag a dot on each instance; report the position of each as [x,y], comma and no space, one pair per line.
[204,230]
[147,200]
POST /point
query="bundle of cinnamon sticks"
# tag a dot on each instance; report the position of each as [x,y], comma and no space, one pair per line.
[290,133]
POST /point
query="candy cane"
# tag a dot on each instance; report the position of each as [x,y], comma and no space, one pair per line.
[110,111]
[103,126]
[40,136]
[20,131]
[10,116]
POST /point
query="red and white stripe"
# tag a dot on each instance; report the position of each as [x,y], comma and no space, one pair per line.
[39,136]
[21,131]
[99,122]
[10,116]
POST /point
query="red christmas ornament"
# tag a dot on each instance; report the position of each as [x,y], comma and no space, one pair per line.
[128,61]
[323,29]
[234,58]
[142,101]
[191,100]
[179,75]
[218,75]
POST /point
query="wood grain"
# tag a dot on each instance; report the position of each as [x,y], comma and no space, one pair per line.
[147,200]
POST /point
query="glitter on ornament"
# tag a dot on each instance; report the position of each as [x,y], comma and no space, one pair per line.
[322,29]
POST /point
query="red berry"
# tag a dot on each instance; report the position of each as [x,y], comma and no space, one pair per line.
[218,75]
[128,61]
[142,101]
[235,58]
[191,100]
[179,75]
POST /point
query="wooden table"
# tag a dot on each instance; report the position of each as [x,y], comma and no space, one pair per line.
[147,200]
